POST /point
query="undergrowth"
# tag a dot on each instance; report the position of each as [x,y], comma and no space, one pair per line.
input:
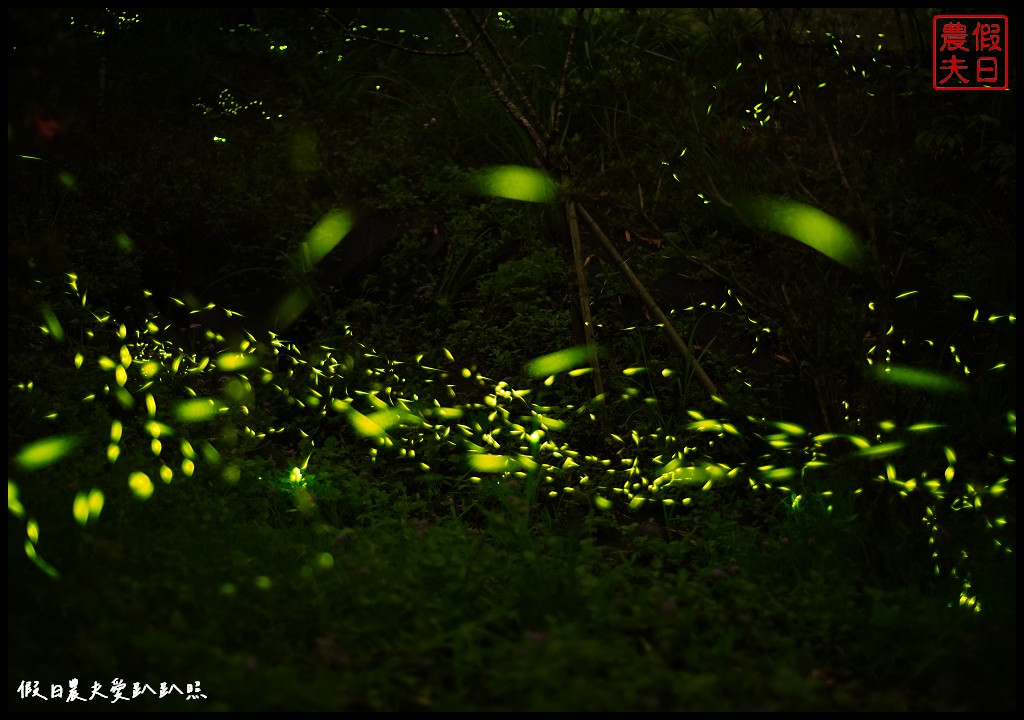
[327,528]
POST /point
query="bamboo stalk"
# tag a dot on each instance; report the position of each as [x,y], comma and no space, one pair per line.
[584,299]
[650,304]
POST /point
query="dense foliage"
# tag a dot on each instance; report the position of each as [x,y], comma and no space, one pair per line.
[305,404]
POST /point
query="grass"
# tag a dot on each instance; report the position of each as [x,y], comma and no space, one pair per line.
[289,569]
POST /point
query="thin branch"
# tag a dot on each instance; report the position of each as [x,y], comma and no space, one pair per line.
[584,300]
[524,100]
[510,106]
[650,304]
[556,125]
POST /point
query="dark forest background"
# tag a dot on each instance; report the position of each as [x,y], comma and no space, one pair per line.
[170,174]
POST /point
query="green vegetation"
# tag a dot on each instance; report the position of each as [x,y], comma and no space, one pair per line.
[528,360]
